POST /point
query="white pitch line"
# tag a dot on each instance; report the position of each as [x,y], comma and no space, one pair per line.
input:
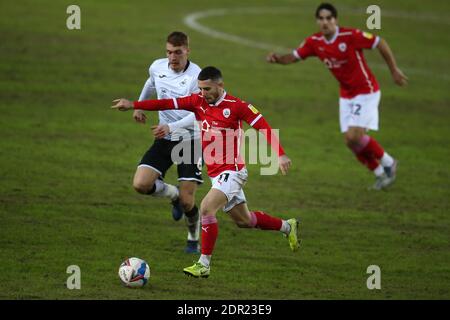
[191,21]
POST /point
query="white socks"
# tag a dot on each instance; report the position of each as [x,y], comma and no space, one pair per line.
[205,260]
[193,224]
[165,190]
[285,227]
[387,160]
[379,171]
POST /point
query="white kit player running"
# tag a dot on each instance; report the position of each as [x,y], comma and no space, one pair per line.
[341,50]
[221,116]
[173,77]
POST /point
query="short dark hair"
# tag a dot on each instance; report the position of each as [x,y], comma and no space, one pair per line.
[210,73]
[178,38]
[326,6]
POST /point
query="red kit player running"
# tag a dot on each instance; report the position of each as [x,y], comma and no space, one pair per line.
[341,49]
[220,116]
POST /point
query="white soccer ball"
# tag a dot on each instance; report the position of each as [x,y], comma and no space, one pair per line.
[134,272]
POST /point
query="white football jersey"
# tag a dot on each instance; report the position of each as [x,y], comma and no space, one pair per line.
[167,83]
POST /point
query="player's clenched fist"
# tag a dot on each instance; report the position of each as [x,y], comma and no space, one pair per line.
[399,78]
[139,116]
[284,163]
[122,104]
[272,57]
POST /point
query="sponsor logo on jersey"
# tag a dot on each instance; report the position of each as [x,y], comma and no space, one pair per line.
[162,76]
[226,112]
[205,126]
[183,83]
[367,35]
[254,110]
[342,46]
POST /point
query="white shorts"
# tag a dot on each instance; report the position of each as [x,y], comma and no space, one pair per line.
[231,183]
[360,111]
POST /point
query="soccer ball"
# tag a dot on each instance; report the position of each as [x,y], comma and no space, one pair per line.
[134,273]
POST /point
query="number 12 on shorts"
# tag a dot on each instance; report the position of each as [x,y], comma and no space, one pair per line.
[356,108]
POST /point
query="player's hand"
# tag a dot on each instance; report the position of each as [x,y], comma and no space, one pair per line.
[272,57]
[122,104]
[160,131]
[399,78]
[139,116]
[284,163]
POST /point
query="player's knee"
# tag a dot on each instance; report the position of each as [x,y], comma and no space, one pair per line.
[205,209]
[142,187]
[186,201]
[243,223]
[352,139]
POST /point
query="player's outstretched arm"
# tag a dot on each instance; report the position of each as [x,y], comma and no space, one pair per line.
[281,59]
[397,74]
[185,103]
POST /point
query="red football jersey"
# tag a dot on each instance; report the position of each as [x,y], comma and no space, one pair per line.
[344,57]
[221,126]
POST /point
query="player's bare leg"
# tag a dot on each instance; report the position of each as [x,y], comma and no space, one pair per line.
[244,218]
[213,202]
[146,181]
[372,155]
[191,214]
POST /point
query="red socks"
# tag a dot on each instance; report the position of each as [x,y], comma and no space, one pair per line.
[368,152]
[210,230]
[264,221]
[373,149]
[370,163]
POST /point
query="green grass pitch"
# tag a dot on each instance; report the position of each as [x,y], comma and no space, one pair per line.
[67,160]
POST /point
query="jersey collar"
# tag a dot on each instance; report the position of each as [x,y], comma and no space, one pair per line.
[220,99]
[184,70]
[334,36]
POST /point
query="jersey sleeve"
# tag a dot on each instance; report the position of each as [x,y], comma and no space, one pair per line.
[304,50]
[185,103]
[249,113]
[255,119]
[149,87]
[187,122]
[364,40]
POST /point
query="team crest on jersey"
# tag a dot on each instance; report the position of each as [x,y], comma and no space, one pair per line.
[226,112]
[342,46]
[254,110]
[367,35]
[183,83]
